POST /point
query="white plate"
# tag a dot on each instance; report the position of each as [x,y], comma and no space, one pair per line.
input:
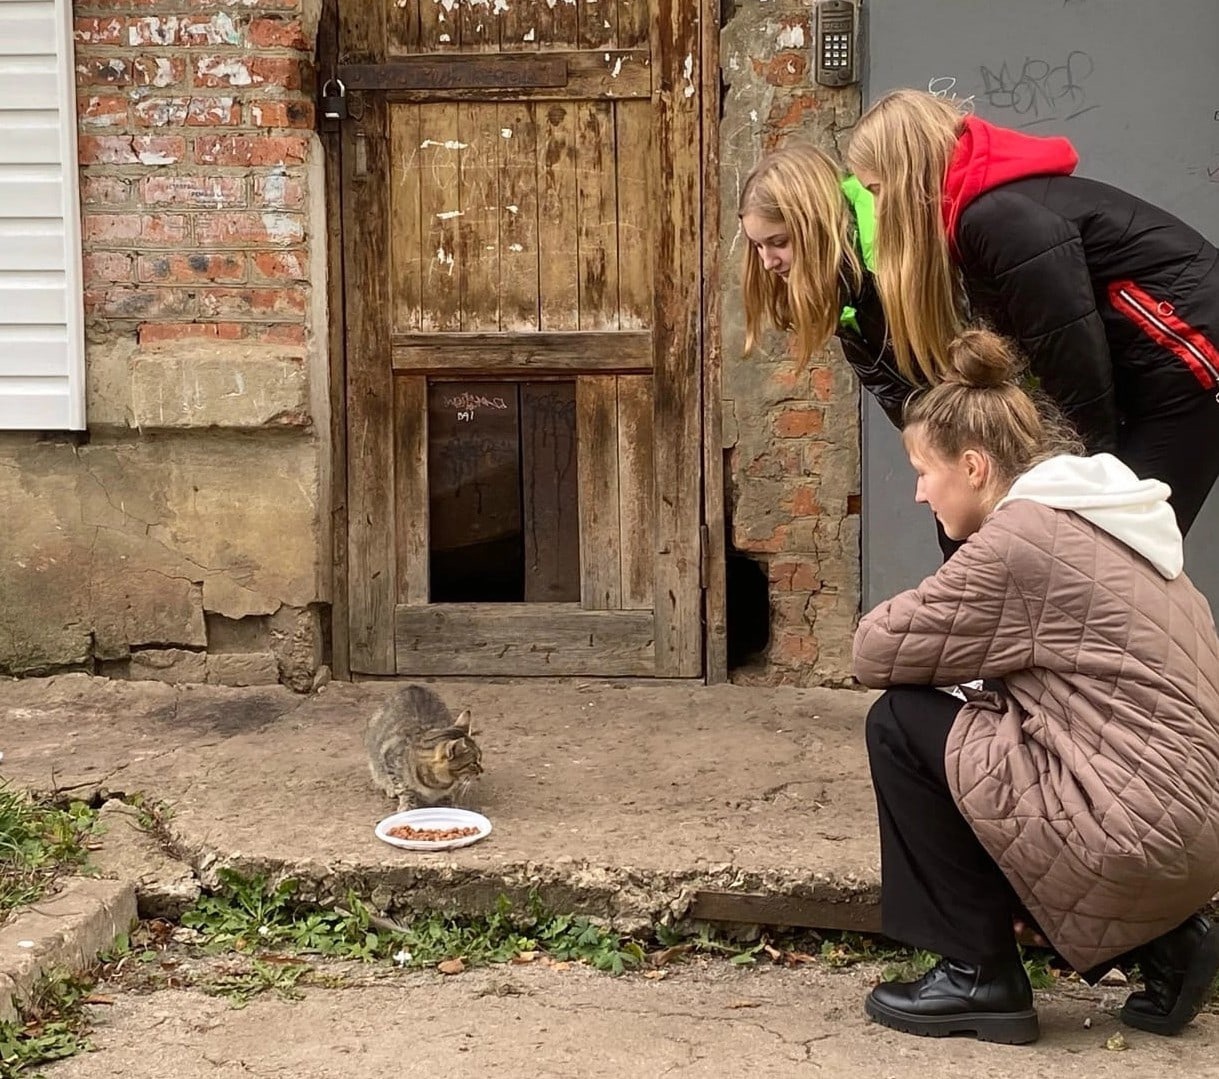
[434,817]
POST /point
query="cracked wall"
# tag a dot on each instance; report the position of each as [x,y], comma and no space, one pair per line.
[791,435]
[181,538]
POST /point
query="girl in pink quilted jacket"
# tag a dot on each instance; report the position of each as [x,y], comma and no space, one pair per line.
[1076,782]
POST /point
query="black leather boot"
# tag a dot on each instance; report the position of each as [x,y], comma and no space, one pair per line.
[994,1002]
[1179,970]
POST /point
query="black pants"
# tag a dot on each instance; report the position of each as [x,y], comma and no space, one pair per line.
[939,889]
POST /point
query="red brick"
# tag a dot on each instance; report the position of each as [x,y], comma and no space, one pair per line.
[294,114]
[110,228]
[772,544]
[246,150]
[136,302]
[248,229]
[211,30]
[104,267]
[195,111]
[264,303]
[104,31]
[287,333]
[244,5]
[101,111]
[281,265]
[788,68]
[153,30]
[822,382]
[245,71]
[196,266]
[159,71]
[279,191]
[804,502]
[104,190]
[217,192]
[276,34]
[799,647]
[799,422]
[103,71]
[152,332]
[165,228]
[130,150]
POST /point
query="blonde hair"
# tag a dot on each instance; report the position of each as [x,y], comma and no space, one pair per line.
[799,187]
[980,405]
[906,140]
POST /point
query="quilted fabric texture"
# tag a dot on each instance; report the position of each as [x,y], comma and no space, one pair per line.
[1094,781]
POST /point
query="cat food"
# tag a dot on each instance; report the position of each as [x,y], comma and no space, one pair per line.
[430,835]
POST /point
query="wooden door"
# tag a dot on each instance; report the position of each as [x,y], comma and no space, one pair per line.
[521,197]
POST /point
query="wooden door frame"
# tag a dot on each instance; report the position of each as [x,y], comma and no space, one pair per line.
[334,538]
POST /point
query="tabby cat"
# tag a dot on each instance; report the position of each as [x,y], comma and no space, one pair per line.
[418,753]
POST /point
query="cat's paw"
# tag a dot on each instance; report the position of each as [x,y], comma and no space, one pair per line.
[407,801]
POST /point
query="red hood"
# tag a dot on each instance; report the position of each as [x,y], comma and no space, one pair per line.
[987,156]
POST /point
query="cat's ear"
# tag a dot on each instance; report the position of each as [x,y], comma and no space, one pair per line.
[451,748]
[462,722]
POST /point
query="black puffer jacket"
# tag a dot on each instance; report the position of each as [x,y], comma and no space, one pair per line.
[865,344]
[1114,301]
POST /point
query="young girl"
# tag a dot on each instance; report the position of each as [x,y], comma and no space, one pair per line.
[1084,789]
[1114,301]
[808,266]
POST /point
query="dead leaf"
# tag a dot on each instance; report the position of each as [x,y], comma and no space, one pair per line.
[743,1004]
[525,957]
[793,959]
[667,955]
[655,975]
[773,952]
[96,998]
[451,966]
[1116,1043]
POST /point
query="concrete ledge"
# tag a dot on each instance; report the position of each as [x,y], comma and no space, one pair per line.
[65,932]
[164,887]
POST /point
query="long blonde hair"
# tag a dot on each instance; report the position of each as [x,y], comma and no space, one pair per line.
[799,187]
[980,405]
[906,140]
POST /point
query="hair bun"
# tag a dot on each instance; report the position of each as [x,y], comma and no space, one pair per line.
[982,359]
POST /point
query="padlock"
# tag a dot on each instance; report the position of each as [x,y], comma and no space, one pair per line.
[334,100]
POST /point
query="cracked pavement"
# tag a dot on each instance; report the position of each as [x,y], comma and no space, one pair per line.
[705,1020]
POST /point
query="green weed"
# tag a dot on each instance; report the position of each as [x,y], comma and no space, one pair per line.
[38,843]
[52,1027]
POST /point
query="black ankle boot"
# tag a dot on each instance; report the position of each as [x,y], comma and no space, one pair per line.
[1178,971]
[992,1001]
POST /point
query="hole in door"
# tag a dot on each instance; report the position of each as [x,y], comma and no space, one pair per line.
[502,492]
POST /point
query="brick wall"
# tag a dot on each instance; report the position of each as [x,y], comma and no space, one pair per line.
[194,133]
[791,434]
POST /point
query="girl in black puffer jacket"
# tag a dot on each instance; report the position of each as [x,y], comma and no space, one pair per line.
[1114,301]
[808,266]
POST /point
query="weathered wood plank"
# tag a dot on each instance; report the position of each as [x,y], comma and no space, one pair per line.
[370,463]
[637,491]
[606,74]
[402,26]
[460,72]
[334,547]
[362,35]
[551,494]
[859,916]
[597,216]
[479,26]
[598,23]
[634,23]
[565,24]
[411,488]
[524,26]
[715,585]
[406,232]
[561,352]
[439,30]
[440,200]
[633,141]
[597,457]
[523,639]
[559,270]
[518,221]
[478,227]
[677,336]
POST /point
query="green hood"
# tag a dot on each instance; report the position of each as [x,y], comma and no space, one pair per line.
[863,207]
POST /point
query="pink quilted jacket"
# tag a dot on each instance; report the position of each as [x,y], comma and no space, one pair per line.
[1094,782]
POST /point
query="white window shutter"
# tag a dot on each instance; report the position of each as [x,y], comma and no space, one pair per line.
[42,361]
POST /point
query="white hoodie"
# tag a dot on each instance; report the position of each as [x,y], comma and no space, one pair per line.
[1106,492]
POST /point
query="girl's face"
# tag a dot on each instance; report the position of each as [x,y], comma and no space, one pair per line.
[771,241]
[957,491]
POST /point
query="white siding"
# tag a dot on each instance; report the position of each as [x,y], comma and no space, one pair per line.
[42,368]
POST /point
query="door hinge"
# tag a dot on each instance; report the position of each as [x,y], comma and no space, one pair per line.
[704,556]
